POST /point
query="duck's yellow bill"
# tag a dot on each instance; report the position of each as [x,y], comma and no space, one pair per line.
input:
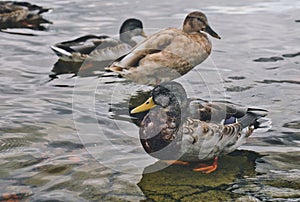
[144,107]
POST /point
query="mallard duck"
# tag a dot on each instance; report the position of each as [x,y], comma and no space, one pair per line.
[178,128]
[21,15]
[100,48]
[169,53]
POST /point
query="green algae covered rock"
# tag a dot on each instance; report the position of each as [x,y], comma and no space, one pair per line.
[181,183]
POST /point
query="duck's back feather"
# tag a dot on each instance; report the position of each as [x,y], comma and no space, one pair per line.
[21,15]
[109,49]
[220,111]
[84,44]
[172,48]
[100,48]
[205,140]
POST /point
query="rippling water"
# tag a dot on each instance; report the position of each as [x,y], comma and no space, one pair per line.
[60,140]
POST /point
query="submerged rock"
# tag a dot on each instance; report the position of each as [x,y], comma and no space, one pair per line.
[182,183]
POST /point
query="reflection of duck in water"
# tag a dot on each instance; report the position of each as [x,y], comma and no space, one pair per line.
[180,183]
[21,15]
[183,129]
[169,53]
[100,48]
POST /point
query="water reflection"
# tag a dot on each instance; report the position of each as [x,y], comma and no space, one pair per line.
[181,183]
[41,156]
[121,110]
[82,69]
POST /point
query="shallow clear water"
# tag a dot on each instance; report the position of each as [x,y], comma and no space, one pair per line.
[59,141]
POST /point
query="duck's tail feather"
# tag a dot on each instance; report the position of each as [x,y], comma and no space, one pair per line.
[248,120]
[258,111]
[256,117]
[60,52]
[263,124]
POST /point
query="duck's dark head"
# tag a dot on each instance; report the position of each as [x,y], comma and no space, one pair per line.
[130,28]
[197,21]
[158,131]
[167,94]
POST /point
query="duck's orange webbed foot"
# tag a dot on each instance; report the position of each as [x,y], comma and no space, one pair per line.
[176,162]
[208,168]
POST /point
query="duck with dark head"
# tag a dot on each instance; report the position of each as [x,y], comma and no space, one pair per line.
[100,48]
[179,128]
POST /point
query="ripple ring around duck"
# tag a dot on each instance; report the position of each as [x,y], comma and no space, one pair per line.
[109,133]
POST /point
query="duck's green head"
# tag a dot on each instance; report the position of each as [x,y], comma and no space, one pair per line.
[165,94]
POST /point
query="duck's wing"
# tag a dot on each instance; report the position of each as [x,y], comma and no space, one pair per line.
[84,44]
[30,7]
[109,49]
[223,111]
[81,47]
[155,43]
[202,140]
[210,112]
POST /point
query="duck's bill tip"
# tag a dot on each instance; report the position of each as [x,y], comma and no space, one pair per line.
[217,36]
[143,107]
[143,34]
[211,32]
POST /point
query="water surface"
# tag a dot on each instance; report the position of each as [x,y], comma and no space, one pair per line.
[59,139]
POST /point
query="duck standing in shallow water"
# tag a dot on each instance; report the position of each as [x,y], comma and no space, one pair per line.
[169,53]
[21,15]
[100,48]
[186,130]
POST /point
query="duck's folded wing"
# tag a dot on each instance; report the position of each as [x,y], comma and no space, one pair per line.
[109,49]
[219,111]
[84,44]
[245,116]
[31,7]
[153,44]
[236,110]
[211,112]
